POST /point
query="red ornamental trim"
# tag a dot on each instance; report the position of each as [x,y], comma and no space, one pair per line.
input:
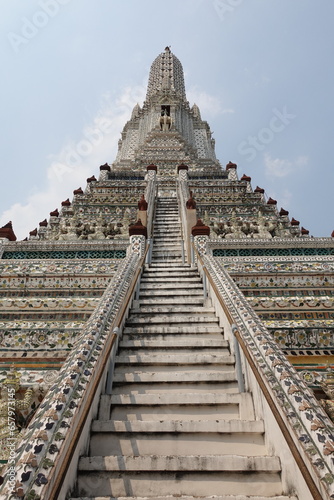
[138,229]
[271,202]
[152,167]
[7,232]
[246,178]
[191,203]
[91,179]
[294,222]
[231,165]
[66,203]
[142,204]
[105,167]
[200,229]
[182,167]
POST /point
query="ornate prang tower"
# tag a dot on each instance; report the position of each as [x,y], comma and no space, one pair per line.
[168,332]
[166,109]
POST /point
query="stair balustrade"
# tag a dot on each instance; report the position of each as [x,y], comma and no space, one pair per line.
[299,430]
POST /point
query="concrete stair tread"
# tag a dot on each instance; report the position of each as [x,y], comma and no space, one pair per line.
[175,359]
[179,399]
[170,319]
[179,377]
[167,236]
[168,286]
[169,300]
[163,229]
[167,242]
[171,279]
[166,273]
[177,328]
[173,228]
[189,497]
[183,272]
[193,343]
[186,426]
[172,291]
[205,463]
[173,338]
[178,309]
[166,264]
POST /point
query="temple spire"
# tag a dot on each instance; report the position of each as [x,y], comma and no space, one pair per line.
[166,73]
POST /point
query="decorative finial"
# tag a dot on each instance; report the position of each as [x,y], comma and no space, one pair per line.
[167,49]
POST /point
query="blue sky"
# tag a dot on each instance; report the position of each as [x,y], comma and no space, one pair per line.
[261,72]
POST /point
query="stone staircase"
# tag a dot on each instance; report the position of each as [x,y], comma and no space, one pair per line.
[175,424]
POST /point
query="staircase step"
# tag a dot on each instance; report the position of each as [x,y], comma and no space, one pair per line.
[152,426]
[166,263]
[166,255]
[180,329]
[176,443]
[196,484]
[162,234]
[170,293]
[176,377]
[183,497]
[181,271]
[174,343]
[179,337]
[175,359]
[123,475]
[207,463]
[169,300]
[157,319]
[170,222]
[199,383]
[170,279]
[160,309]
[205,402]
[227,407]
[172,286]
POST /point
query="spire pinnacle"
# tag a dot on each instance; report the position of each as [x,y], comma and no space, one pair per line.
[166,74]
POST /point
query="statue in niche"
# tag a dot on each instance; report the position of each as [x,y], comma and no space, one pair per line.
[165,121]
[234,227]
[263,228]
[68,231]
[235,233]
[282,232]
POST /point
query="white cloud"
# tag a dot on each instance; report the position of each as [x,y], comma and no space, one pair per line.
[283,198]
[277,167]
[76,161]
[209,105]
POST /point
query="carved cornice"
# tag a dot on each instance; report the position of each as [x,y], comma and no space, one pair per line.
[84,245]
[300,242]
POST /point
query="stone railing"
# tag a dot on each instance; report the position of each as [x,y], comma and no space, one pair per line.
[183,196]
[59,431]
[150,196]
[299,419]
